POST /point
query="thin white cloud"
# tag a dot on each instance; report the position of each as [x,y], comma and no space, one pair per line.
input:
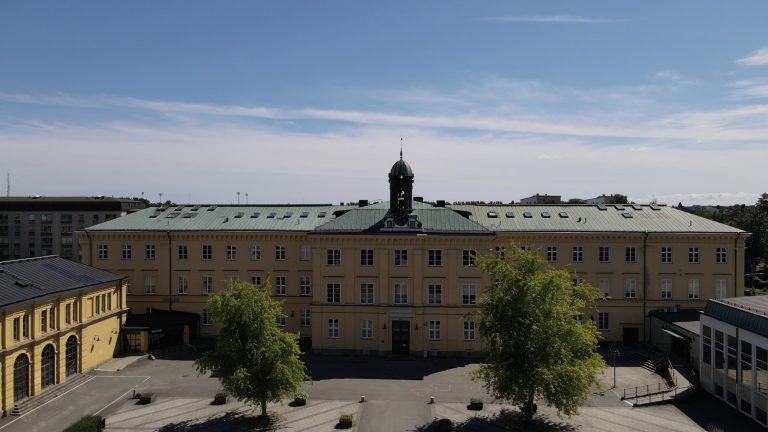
[756,58]
[557,19]
[752,88]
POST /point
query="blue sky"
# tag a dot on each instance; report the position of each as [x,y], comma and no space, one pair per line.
[300,102]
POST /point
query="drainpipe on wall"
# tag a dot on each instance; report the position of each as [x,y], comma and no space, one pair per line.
[645,282]
[736,267]
[170,273]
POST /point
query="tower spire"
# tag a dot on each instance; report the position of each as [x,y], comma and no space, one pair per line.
[401,148]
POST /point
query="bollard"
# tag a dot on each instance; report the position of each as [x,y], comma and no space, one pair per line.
[362,399]
[431,399]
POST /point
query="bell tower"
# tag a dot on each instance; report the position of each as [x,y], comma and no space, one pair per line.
[400,186]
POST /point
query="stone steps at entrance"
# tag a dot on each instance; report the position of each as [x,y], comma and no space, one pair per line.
[49,393]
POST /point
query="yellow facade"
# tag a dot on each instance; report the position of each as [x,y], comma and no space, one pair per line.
[28,332]
[634,285]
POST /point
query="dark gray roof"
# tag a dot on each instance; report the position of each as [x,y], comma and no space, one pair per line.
[434,220]
[401,168]
[749,313]
[28,279]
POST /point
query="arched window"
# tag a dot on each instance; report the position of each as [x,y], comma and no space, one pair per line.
[47,366]
[71,355]
[20,377]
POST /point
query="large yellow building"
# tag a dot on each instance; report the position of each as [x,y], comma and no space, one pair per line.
[400,276]
[59,318]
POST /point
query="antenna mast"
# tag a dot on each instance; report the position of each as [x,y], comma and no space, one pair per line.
[8,184]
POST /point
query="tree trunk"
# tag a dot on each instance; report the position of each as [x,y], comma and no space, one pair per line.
[529,406]
[264,408]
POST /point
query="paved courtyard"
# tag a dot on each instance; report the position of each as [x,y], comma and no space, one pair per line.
[397,393]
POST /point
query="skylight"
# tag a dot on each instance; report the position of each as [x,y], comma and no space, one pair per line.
[527,215]
[493,214]
[545,214]
[510,215]
[563,215]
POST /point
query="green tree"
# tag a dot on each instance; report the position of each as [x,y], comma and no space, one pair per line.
[536,349]
[255,360]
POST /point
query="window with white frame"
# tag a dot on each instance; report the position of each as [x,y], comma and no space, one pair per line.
[207,253]
[666,289]
[231,252]
[630,286]
[693,289]
[126,252]
[305,287]
[551,253]
[434,330]
[401,293]
[434,294]
[366,257]
[334,257]
[469,330]
[602,321]
[469,294]
[578,254]
[468,257]
[501,250]
[102,252]
[604,286]
[305,319]
[280,253]
[434,257]
[401,257]
[693,255]
[149,284]
[666,255]
[256,281]
[280,285]
[182,284]
[720,288]
[366,293]
[630,254]
[333,328]
[305,253]
[255,253]
[182,253]
[366,329]
[333,293]
[721,255]
[604,254]
[280,319]
[149,252]
[579,318]
[207,319]
[207,282]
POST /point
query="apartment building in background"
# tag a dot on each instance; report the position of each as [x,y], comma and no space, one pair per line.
[39,226]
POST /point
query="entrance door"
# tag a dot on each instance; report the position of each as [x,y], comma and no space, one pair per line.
[631,336]
[47,376]
[71,355]
[401,337]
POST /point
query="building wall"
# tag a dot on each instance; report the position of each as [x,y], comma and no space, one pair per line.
[97,334]
[734,367]
[306,256]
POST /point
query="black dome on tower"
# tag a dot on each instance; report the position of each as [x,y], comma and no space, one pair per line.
[401,186]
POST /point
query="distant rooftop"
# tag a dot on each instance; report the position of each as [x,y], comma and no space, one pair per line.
[69,203]
[749,312]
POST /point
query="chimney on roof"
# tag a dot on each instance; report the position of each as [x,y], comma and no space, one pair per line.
[362,203]
[418,199]
[440,203]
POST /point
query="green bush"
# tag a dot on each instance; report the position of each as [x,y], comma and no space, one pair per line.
[345,421]
[220,398]
[146,398]
[300,399]
[475,404]
[85,424]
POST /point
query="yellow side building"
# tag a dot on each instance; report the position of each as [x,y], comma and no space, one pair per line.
[399,276]
[59,319]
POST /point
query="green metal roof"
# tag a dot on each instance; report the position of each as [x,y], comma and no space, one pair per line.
[458,219]
[433,220]
[749,313]
[223,218]
[590,218]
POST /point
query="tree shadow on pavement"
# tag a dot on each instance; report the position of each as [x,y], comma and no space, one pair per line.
[322,367]
[233,421]
[506,420]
